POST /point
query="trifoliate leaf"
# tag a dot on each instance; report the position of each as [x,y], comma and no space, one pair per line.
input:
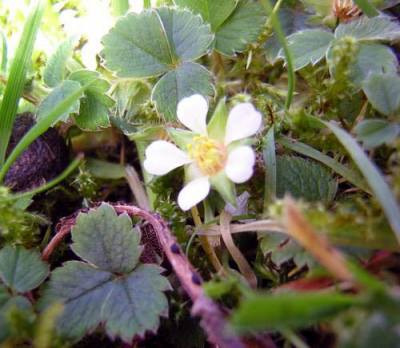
[372,58]
[186,80]
[95,105]
[381,28]
[106,240]
[213,12]
[308,46]
[383,92]
[114,290]
[375,132]
[304,179]
[155,41]
[22,270]
[242,27]
[60,93]
[54,71]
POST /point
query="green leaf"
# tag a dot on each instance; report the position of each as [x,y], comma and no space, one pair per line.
[22,270]
[107,240]
[54,70]
[95,105]
[7,303]
[373,176]
[129,95]
[105,170]
[213,12]
[153,42]
[372,58]
[339,168]
[383,92]
[57,96]
[375,132]
[242,27]
[17,77]
[291,21]
[186,80]
[113,289]
[382,28]
[308,46]
[288,310]
[321,7]
[304,179]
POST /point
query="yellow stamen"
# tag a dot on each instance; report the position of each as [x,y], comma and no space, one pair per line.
[209,155]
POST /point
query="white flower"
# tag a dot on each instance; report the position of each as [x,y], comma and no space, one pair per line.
[213,155]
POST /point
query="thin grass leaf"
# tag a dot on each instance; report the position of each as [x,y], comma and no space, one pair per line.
[367,8]
[4,53]
[42,126]
[337,167]
[16,82]
[373,176]
[270,168]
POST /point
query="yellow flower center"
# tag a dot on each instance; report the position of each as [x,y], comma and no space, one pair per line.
[209,155]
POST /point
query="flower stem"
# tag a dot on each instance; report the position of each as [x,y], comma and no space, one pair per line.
[207,247]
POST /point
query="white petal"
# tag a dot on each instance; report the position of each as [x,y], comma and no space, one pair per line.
[162,157]
[194,192]
[192,112]
[243,121]
[240,163]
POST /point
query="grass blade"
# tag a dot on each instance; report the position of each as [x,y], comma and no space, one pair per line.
[339,168]
[42,126]
[270,168]
[16,81]
[373,176]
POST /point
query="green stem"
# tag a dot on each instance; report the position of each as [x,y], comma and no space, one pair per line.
[73,165]
[147,4]
[205,243]
[119,7]
[282,40]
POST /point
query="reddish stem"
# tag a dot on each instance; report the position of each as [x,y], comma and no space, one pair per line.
[212,317]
